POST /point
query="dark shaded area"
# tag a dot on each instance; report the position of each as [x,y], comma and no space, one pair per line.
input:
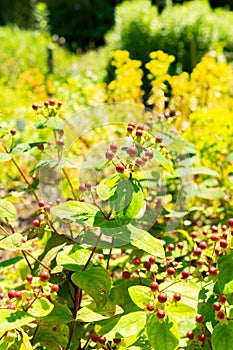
[19,12]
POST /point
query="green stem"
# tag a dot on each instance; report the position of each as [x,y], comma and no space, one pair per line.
[70,184]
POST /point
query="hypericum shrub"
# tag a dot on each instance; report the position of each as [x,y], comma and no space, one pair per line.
[186,31]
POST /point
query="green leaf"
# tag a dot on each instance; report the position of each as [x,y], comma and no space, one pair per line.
[201,191]
[51,338]
[51,163]
[40,308]
[80,212]
[181,310]
[41,125]
[7,209]
[13,242]
[55,123]
[122,326]
[229,157]
[140,295]
[60,314]
[107,187]
[197,171]
[11,319]
[145,241]
[159,158]
[162,335]
[6,263]
[4,157]
[96,282]
[127,201]
[225,276]
[20,148]
[73,260]
[222,336]
[90,313]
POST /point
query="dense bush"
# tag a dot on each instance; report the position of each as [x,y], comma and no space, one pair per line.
[186,31]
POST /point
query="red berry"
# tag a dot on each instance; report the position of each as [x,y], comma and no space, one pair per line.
[213,271]
[88,185]
[13,131]
[180,245]
[130,128]
[136,261]
[29,278]
[224,234]
[199,318]
[102,340]
[190,335]
[214,228]
[205,232]
[152,259]
[171,271]
[223,243]
[11,293]
[95,337]
[18,294]
[149,153]
[35,106]
[171,247]
[193,234]
[120,168]
[109,155]
[40,146]
[223,298]
[224,227]
[139,161]
[216,306]
[47,207]
[59,103]
[139,132]
[117,340]
[82,188]
[203,245]
[132,151]
[60,142]
[158,139]
[147,266]
[132,124]
[160,313]
[201,337]
[11,307]
[2,296]
[200,262]
[185,274]
[197,251]
[215,238]
[177,297]
[55,288]
[52,102]
[113,147]
[140,126]
[44,275]
[154,286]
[220,315]
[126,275]
[162,297]
[41,204]
[36,223]
[150,306]
[230,222]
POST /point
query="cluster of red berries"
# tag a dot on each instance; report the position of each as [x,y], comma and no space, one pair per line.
[50,102]
[102,340]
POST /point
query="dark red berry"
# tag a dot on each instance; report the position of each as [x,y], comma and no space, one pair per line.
[35,106]
[220,315]
[213,271]
[223,298]
[132,151]
[185,274]
[203,245]
[160,314]
[230,222]
[11,307]
[150,306]
[82,188]
[120,168]
[154,286]
[102,340]
[59,103]
[214,228]
[171,271]
[162,297]
[11,293]
[88,185]
[193,234]
[44,275]
[176,297]
[40,146]
[139,132]
[223,243]
[216,306]
[36,223]
[147,266]
[199,318]
[205,232]
[117,340]
[41,204]
[158,139]
[180,245]
[130,128]
[201,337]
[139,161]
[149,153]
[215,238]
[126,275]
[52,102]
[171,247]
[132,124]
[152,259]
[136,261]
[197,251]
[109,155]
[190,335]
[224,227]
[95,337]
[55,288]
[18,294]
[2,296]
[29,278]
[13,131]
[60,142]
[113,147]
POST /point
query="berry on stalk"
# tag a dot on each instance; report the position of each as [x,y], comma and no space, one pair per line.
[44,275]
[120,168]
